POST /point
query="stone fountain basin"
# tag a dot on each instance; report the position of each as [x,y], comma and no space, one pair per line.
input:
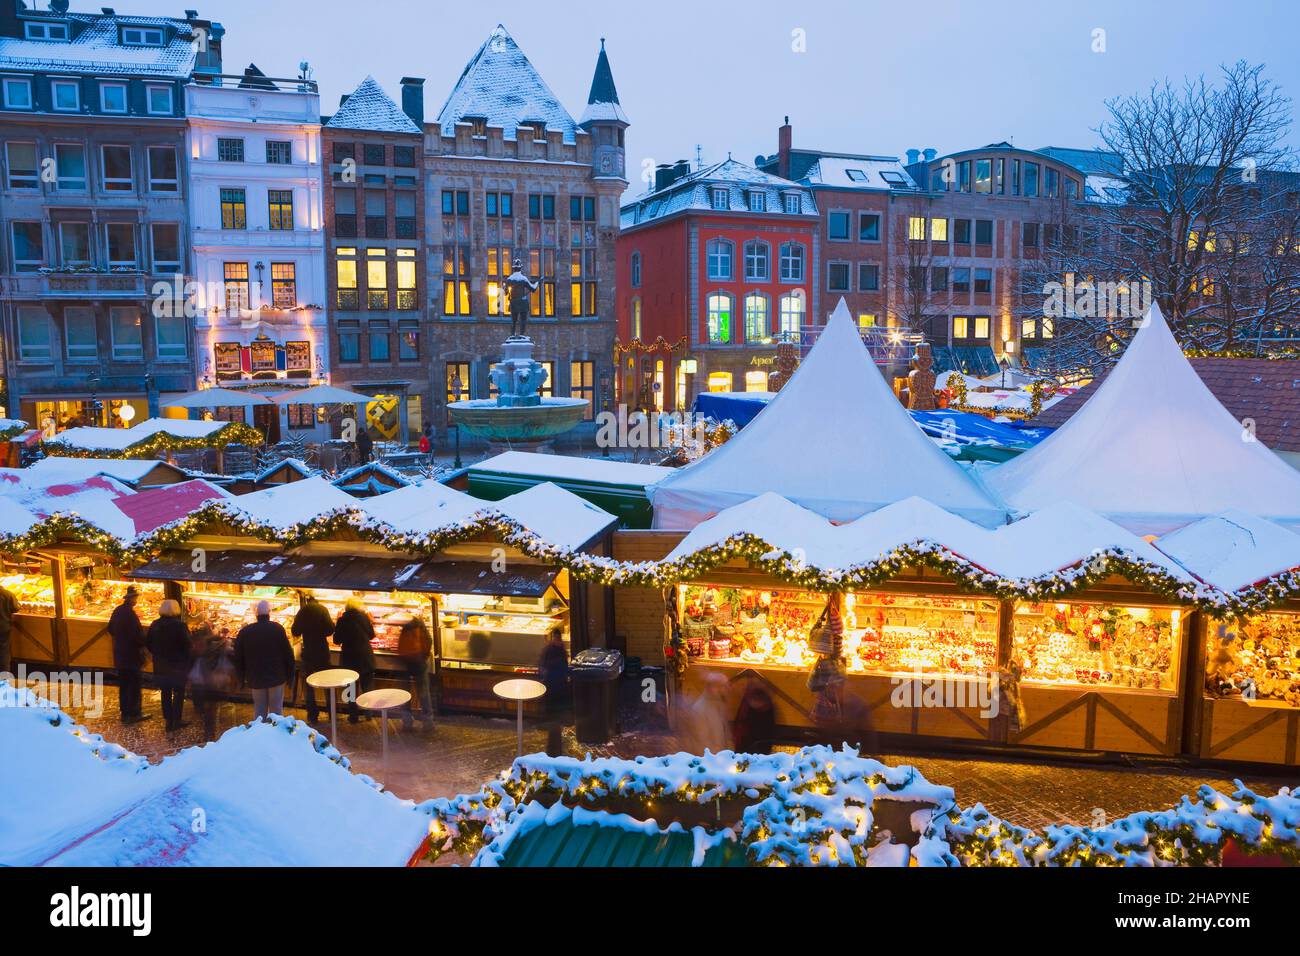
[497,423]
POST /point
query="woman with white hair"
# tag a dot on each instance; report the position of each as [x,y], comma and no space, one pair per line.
[264,661]
[169,643]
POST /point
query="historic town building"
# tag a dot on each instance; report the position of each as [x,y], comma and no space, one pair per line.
[256,220]
[374,247]
[511,176]
[93,209]
[714,266]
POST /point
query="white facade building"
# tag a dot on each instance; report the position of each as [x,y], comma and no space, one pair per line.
[256,215]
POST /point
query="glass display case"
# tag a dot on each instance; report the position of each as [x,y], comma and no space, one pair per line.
[884,633]
[93,587]
[1256,659]
[1122,648]
[388,611]
[31,581]
[495,631]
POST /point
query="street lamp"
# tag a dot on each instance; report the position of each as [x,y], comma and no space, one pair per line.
[457,386]
[1004,365]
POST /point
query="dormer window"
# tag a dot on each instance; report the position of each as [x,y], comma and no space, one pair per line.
[856,175]
[793,204]
[539,132]
[141,36]
[720,198]
[757,201]
[477,125]
[42,30]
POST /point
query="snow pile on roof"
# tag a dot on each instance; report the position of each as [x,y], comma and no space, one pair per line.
[421,509]
[557,516]
[272,794]
[94,438]
[128,470]
[370,108]
[297,502]
[694,192]
[500,84]
[834,440]
[93,499]
[98,49]
[569,468]
[293,464]
[1233,550]
[860,172]
[1152,449]
[367,476]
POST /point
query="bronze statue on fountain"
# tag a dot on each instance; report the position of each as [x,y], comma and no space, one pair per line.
[520,289]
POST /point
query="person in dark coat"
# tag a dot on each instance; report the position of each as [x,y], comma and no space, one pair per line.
[365,445]
[128,656]
[212,675]
[8,608]
[353,632]
[553,671]
[754,728]
[169,644]
[264,661]
[313,624]
[414,645]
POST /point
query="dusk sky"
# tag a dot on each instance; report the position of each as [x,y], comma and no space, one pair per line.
[875,77]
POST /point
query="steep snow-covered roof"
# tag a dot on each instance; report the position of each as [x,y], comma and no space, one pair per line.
[1233,550]
[602,101]
[370,108]
[1152,449]
[834,440]
[694,191]
[854,172]
[98,49]
[501,85]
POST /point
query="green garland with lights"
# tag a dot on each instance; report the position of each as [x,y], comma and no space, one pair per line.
[161,443]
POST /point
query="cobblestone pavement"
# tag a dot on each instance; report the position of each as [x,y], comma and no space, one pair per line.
[460,752]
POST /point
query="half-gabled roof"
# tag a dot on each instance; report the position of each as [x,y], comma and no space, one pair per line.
[370,108]
[500,85]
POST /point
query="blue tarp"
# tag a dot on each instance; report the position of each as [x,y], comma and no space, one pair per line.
[740,407]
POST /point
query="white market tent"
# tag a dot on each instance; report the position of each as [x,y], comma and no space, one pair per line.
[1152,450]
[216,398]
[322,395]
[834,440]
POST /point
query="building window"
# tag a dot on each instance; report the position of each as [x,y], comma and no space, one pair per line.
[74,244]
[162,169]
[792,259]
[404,221]
[960,327]
[79,336]
[636,319]
[408,341]
[230,150]
[458,384]
[234,214]
[582,208]
[380,342]
[983,232]
[793,308]
[280,208]
[372,154]
[757,319]
[541,207]
[793,204]
[916,228]
[171,330]
[349,341]
[939,279]
[128,335]
[166,246]
[719,318]
[284,285]
[720,198]
[70,167]
[455,280]
[341,152]
[719,253]
[455,202]
[758,256]
[1031,179]
[377,279]
[982,327]
[117,169]
[407,300]
[961,231]
[720,381]
[961,280]
[498,270]
[868,277]
[869,227]
[345,213]
[984,175]
[541,269]
[22,165]
[142,36]
[345,270]
[635,270]
[29,246]
[279,152]
[757,200]
[1051,180]
[376,214]
[404,156]
[1029,235]
[984,280]
[837,276]
[236,286]
[46,31]
[112,97]
[939,230]
[837,226]
[159,100]
[121,245]
[66,95]
[582,384]
[35,335]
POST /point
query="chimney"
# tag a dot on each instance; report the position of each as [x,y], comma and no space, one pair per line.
[9,23]
[930,153]
[666,175]
[784,139]
[413,99]
[913,157]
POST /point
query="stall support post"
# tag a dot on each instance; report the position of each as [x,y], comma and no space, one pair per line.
[59,633]
[1193,684]
[1000,731]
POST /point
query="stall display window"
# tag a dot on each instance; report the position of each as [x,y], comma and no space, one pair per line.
[1256,660]
[1098,645]
[33,586]
[482,631]
[883,633]
[93,588]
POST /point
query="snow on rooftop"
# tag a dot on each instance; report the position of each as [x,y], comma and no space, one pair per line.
[555,515]
[1233,550]
[569,468]
[98,49]
[860,173]
[93,438]
[297,502]
[501,85]
[370,108]
[92,498]
[694,191]
[421,509]
[49,470]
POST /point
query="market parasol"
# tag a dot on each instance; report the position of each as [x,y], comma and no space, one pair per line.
[217,398]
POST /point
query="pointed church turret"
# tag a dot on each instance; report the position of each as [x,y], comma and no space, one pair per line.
[605,120]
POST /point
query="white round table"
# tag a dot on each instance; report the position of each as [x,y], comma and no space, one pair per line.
[519,689]
[331,680]
[382,701]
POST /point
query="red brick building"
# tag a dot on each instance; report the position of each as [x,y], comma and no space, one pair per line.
[713,266]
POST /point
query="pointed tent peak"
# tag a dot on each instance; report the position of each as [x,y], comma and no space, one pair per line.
[368,107]
[1152,449]
[602,101]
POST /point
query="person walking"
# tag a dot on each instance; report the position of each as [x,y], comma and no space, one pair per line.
[8,608]
[414,645]
[169,645]
[314,626]
[353,632]
[128,656]
[211,677]
[264,661]
[426,441]
[553,671]
[365,445]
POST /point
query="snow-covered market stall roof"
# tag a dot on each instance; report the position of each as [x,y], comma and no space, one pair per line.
[835,440]
[1153,450]
[149,438]
[92,803]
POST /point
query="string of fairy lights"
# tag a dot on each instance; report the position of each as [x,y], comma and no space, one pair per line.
[161,443]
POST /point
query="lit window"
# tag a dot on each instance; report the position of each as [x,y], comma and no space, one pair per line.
[280,209]
[719,381]
[284,285]
[756,380]
[960,327]
[719,318]
[793,308]
[757,325]
[916,228]
[939,230]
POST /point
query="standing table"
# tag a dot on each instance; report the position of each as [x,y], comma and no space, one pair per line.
[519,689]
[332,680]
[382,701]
